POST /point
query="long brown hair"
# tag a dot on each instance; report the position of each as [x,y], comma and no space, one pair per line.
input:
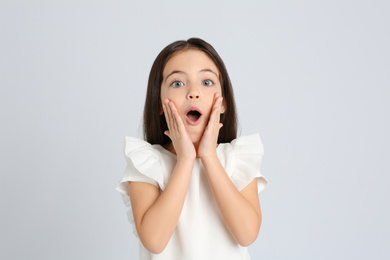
[154,123]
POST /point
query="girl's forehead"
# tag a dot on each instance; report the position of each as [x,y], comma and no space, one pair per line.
[189,59]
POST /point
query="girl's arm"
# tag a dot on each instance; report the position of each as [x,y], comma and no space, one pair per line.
[156,215]
[239,210]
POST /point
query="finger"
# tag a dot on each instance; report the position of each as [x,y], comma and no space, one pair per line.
[216,96]
[212,116]
[217,101]
[172,109]
[167,117]
[165,114]
[172,124]
[220,104]
[217,118]
[220,99]
[218,115]
[178,121]
[216,111]
[171,117]
[212,125]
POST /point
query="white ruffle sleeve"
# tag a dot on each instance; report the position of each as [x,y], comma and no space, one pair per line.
[242,161]
[143,165]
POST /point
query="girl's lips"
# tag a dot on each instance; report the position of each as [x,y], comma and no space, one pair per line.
[191,122]
[193,118]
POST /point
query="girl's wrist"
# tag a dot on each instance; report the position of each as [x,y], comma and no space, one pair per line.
[183,159]
[209,157]
[185,163]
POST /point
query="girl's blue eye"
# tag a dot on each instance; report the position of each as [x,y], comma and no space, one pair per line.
[177,84]
[207,82]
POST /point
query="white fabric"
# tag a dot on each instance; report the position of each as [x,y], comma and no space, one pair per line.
[200,232]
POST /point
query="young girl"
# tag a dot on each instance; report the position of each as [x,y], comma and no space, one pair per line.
[192,187]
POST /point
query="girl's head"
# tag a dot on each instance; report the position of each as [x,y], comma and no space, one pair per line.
[175,67]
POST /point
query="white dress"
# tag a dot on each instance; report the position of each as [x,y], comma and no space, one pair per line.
[200,232]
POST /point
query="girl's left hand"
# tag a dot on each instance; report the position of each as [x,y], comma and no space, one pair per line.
[208,143]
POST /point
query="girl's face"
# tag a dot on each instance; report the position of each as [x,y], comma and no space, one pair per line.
[190,80]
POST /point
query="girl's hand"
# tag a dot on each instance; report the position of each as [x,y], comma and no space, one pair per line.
[208,143]
[181,141]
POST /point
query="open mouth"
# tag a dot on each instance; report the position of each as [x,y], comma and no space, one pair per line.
[193,116]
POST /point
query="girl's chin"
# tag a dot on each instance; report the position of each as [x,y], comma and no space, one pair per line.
[195,139]
[195,136]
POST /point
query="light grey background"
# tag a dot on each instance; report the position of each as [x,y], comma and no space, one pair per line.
[312,77]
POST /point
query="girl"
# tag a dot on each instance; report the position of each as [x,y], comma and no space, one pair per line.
[192,187]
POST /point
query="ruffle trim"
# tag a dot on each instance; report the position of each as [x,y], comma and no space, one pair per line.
[142,162]
[248,152]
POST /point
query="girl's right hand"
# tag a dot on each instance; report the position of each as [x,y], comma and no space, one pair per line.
[181,141]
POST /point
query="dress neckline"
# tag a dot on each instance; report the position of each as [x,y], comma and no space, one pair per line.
[171,154]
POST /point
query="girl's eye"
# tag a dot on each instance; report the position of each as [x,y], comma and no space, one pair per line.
[177,84]
[207,82]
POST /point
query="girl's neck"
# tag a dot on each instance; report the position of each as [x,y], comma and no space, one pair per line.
[169,147]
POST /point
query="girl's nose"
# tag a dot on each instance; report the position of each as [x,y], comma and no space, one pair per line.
[193,96]
[193,93]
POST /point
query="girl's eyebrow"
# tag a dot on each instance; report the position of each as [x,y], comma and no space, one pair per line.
[173,72]
[182,72]
[210,70]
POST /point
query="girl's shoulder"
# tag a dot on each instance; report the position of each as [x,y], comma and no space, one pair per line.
[138,149]
[146,163]
[250,144]
[242,159]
